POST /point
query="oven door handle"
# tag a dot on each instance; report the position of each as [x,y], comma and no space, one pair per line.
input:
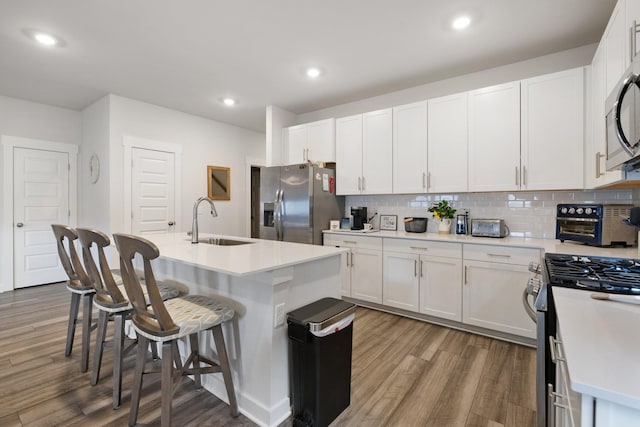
[527,307]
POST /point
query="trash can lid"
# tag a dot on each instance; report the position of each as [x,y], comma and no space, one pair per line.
[322,312]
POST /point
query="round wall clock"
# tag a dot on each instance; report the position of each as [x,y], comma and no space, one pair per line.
[94,168]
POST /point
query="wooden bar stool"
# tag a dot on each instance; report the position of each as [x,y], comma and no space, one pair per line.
[80,288]
[112,304]
[166,322]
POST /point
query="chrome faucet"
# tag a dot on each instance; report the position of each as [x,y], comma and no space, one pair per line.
[194,224]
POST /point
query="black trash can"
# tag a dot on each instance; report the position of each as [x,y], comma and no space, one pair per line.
[320,340]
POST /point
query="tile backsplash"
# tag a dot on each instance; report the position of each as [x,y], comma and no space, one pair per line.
[527,214]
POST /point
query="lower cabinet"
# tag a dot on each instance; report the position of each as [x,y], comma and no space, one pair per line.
[423,276]
[494,279]
[362,272]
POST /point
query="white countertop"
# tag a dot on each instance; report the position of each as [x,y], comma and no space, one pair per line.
[548,245]
[601,340]
[239,260]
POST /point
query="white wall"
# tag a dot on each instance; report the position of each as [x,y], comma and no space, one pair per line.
[205,142]
[94,197]
[564,60]
[277,118]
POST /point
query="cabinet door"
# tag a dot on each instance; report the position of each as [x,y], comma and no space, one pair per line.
[552,138]
[400,282]
[296,144]
[492,297]
[633,14]
[441,287]
[410,148]
[349,155]
[366,275]
[448,148]
[494,138]
[615,41]
[321,145]
[377,152]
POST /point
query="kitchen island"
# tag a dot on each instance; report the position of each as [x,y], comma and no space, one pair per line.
[262,281]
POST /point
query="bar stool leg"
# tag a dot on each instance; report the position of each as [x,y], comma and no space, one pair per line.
[73,319]
[118,350]
[195,350]
[218,338]
[86,331]
[167,383]
[141,358]
[103,320]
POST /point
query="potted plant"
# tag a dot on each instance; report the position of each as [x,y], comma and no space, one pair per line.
[443,212]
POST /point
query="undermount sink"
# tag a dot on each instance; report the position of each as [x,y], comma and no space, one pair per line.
[218,241]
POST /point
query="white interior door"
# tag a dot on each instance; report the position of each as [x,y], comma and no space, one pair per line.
[40,198]
[152,191]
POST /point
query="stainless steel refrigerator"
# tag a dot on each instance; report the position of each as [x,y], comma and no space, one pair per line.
[297,202]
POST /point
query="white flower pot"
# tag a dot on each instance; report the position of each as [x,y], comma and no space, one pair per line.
[445,226]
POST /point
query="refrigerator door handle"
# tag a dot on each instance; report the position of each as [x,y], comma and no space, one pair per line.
[276,214]
[280,208]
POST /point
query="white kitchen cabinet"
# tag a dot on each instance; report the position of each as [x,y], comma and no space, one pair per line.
[349,155]
[423,276]
[616,47]
[633,18]
[362,272]
[552,131]
[494,138]
[447,144]
[377,152]
[364,153]
[494,279]
[311,142]
[410,148]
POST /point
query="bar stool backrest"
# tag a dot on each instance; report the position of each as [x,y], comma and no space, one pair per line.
[78,278]
[153,318]
[107,291]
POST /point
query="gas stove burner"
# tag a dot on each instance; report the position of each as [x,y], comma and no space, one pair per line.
[601,274]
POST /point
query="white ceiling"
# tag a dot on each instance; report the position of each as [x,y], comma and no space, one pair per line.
[188,54]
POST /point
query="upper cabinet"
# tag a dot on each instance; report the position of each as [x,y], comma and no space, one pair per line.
[552,131]
[311,142]
[364,153]
[494,138]
[448,144]
[616,46]
[633,21]
[410,148]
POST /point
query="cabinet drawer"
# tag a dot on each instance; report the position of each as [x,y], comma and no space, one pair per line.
[501,254]
[424,247]
[350,241]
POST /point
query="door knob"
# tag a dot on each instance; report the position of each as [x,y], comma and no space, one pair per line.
[171,223]
[19,225]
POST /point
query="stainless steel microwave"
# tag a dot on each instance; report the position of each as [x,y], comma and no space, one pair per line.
[623,121]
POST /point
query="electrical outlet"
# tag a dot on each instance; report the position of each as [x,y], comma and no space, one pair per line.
[278,315]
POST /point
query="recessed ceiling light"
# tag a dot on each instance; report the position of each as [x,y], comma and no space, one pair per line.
[229,102]
[461,22]
[45,39]
[313,72]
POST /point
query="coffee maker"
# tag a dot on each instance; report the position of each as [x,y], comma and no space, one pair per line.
[462,223]
[359,214]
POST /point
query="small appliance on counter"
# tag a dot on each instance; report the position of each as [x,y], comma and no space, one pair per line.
[489,228]
[359,214]
[595,224]
[415,224]
[462,223]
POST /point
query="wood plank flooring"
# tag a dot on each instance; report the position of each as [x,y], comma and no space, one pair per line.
[405,373]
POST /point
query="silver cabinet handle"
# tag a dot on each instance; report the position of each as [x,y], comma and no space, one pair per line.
[424,176]
[598,157]
[500,255]
[352,259]
[304,154]
[428,180]
[465,274]
[635,30]
[19,225]
[415,268]
[517,177]
[364,184]
[421,275]
[524,175]
[359,183]
[350,242]
[418,248]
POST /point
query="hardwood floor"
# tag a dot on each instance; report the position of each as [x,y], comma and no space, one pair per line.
[405,373]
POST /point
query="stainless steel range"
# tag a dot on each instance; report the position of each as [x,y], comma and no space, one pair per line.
[591,273]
